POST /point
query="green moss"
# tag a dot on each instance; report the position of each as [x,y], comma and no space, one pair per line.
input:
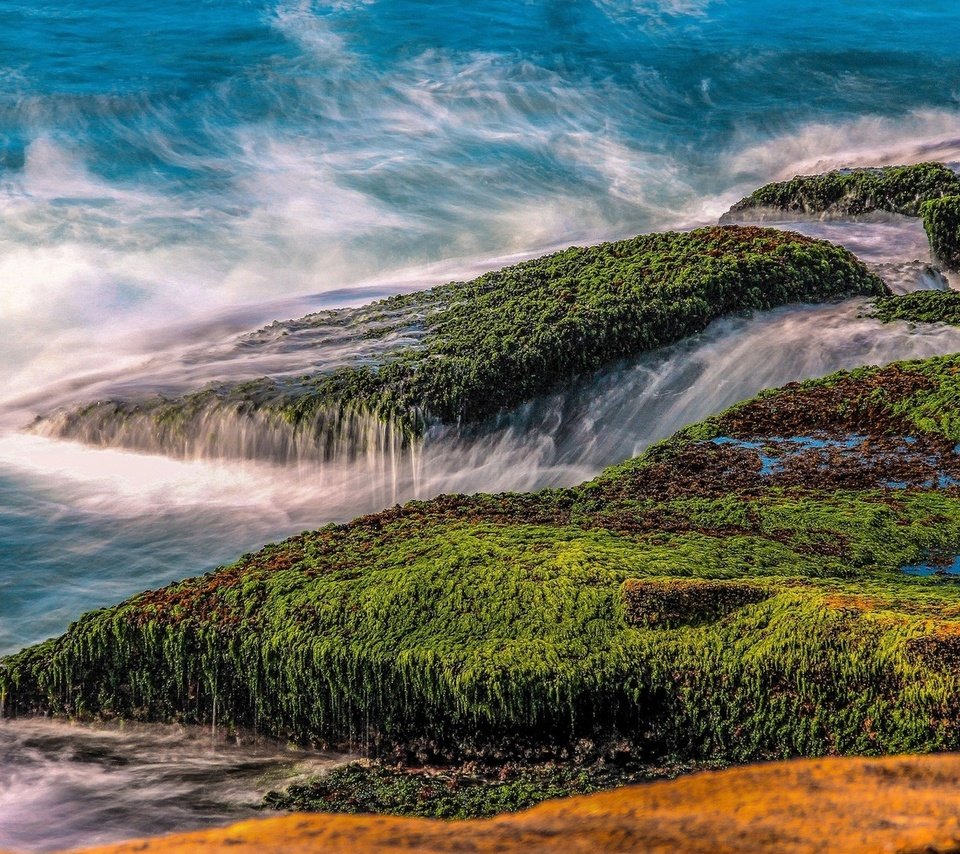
[363,789]
[941,220]
[494,342]
[854,192]
[470,626]
[919,307]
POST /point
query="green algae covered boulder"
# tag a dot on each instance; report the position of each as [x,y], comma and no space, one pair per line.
[737,592]
[919,307]
[853,192]
[941,220]
[474,349]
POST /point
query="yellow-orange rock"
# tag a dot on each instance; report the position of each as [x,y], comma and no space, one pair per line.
[908,804]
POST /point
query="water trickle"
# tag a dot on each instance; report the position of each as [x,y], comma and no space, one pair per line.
[945,568]
[354,463]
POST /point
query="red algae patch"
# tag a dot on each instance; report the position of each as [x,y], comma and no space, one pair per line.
[899,804]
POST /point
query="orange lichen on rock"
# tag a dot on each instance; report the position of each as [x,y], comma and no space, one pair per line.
[850,805]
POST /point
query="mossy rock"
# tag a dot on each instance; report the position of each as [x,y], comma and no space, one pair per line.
[452,793]
[487,345]
[919,307]
[494,626]
[853,192]
[927,190]
[685,601]
[941,220]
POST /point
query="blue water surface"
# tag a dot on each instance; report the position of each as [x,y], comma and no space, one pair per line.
[60,558]
[500,91]
[926,569]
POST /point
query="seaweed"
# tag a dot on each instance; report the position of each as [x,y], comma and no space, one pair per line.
[930,191]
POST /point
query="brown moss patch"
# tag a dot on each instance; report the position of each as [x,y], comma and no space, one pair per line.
[940,649]
[851,404]
[682,601]
[705,469]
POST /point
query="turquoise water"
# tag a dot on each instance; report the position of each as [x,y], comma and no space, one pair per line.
[943,568]
[64,553]
[163,164]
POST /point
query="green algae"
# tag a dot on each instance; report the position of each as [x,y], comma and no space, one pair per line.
[855,192]
[510,335]
[941,221]
[919,307]
[504,626]
[459,792]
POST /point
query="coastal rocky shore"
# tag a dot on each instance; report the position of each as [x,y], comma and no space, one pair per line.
[779,580]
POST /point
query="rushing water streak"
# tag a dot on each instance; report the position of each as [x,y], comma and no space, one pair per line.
[64,782]
[219,431]
[132,409]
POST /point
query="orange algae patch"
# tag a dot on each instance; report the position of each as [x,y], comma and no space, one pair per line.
[854,602]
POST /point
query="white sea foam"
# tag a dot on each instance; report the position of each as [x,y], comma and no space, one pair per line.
[124,484]
[87,259]
[90,263]
[624,11]
[865,141]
